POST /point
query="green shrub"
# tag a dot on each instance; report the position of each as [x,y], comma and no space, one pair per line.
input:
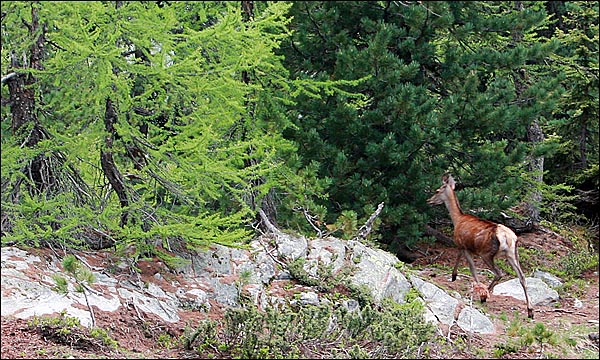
[326,330]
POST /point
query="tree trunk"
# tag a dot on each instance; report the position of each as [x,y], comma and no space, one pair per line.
[535,136]
[21,88]
[108,164]
[267,204]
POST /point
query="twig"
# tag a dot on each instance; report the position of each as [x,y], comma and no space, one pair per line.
[90,308]
[95,268]
[137,311]
[271,255]
[565,311]
[311,222]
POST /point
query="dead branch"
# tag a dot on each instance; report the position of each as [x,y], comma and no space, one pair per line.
[7,77]
[364,230]
[268,224]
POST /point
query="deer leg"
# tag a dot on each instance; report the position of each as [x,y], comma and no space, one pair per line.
[471,264]
[513,260]
[455,270]
[489,261]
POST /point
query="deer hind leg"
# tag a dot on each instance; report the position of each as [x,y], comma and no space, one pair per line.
[489,261]
[513,260]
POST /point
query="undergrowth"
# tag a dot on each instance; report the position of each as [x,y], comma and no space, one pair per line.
[325,330]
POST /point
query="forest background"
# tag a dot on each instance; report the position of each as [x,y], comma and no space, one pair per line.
[170,125]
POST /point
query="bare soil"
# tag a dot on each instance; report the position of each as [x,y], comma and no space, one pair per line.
[574,329]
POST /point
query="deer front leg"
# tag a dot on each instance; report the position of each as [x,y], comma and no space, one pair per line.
[455,270]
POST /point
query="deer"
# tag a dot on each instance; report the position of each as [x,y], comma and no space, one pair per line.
[476,236]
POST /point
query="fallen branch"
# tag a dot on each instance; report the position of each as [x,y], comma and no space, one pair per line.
[364,230]
[438,235]
[565,311]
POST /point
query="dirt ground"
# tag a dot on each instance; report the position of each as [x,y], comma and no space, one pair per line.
[573,330]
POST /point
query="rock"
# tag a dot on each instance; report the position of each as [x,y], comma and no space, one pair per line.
[291,247]
[437,300]
[309,298]
[376,271]
[539,292]
[473,320]
[216,277]
[548,278]
[325,252]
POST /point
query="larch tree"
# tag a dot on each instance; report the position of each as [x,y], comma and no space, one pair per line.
[146,100]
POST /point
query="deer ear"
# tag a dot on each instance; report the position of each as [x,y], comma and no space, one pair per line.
[447,179]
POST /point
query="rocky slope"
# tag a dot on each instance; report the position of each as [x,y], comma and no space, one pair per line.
[211,281]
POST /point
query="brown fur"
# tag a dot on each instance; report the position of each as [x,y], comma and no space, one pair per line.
[481,291]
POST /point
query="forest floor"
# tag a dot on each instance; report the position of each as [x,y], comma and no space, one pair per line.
[566,330]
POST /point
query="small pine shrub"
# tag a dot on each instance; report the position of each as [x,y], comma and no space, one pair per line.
[297,331]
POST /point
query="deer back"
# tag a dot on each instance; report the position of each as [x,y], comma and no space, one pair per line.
[476,235]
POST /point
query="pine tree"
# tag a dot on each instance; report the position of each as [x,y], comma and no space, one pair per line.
[440,96]
[574,124]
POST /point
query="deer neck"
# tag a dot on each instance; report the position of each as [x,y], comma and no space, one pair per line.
[453,207]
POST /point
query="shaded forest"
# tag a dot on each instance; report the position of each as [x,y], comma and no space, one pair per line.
[169,125]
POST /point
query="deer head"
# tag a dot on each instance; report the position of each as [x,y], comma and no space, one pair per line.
[442,194]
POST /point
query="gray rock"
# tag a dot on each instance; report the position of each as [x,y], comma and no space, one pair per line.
[215,277]
[327,252]
[150,305]
[376,271]
[539,292]
[548,278]
[441,305]
[309,298]
[471,319]
[291,247]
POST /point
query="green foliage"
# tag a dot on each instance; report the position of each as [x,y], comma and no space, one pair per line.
[440,94]
[535,335]
[347,223]
[542,335]
[322,278]
[303,331]
[67,330]
[576,117]
[326,108]
[167,341]
[583,255]
[199,146]
[579,261]
[104,337]
[73,267]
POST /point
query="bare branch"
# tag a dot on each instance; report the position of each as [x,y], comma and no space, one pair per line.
[268,222]
[5,78]
[364,230]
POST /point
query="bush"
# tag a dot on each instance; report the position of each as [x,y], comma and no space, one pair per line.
[324,330]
